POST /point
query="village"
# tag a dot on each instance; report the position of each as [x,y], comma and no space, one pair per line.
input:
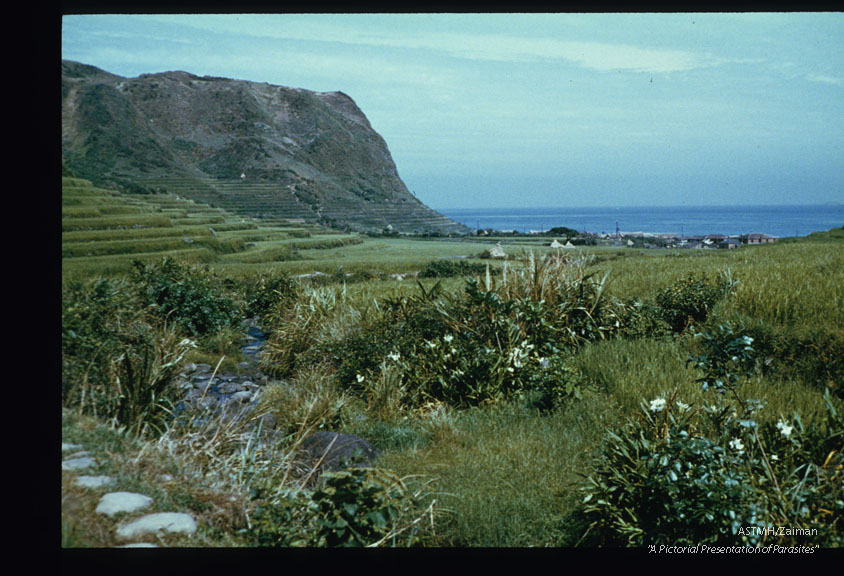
[572,239]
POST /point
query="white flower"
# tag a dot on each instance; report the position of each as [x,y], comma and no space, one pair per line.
[737,445]
[360,378]
[543,362]
[394,356]
[448,338]
[431,344]
[774,457]
[657,404]
[683,406]
[785,428]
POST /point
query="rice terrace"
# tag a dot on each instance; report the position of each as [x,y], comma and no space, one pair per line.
[268,340]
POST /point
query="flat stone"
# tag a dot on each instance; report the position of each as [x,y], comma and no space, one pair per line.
[139,545]
[94,481]
[78,463]
[116,502]
[80,454]
[229,388]
[70,447]
[242,397]
[160,522]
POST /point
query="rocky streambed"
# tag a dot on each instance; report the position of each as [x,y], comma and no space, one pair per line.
[208,394]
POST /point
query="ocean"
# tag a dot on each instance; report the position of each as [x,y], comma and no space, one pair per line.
[779,221]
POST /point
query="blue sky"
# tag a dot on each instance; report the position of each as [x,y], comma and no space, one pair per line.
[542,109]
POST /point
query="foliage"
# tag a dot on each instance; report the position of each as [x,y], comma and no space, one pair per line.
[116,361]
[354,507]
[147,360]
[310,401]
[92,314]
[643,319]
[185,295]
[689,300]
[299,332]
[451,268]
[264,290]
[812,354]
[688,475]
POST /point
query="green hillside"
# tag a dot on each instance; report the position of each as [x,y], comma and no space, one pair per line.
[103,231]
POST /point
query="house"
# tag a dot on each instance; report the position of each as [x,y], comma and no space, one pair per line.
[497,252]
[729,244]
[757,239]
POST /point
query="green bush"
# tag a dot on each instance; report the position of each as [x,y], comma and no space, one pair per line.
[185,295]
[812,354]
[486,344]
[264,290]
[689,300]
[116,361]
[354,507]
[690,475]
[93,314]
[643,320]
[452,268]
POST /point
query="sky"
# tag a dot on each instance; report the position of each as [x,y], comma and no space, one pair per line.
[535,110]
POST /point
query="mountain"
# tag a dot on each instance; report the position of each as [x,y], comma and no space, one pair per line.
[251,148]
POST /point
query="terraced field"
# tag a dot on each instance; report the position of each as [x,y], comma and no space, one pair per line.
[264,200]
[103,231]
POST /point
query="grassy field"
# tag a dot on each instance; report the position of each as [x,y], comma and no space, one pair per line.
[502,473]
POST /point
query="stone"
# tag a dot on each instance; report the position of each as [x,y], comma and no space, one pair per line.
[332,451]
[267,421]
[242,397]
[117,502]
[139,545]
[229,388]
[159,522]
[80,454]
[70,447]
[94,481]
[78,463]
[184,385]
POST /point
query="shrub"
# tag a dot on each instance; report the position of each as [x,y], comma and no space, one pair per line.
[310,401]
[92,314]
[689,300]
[489,343]
[142,397]
[355,507]
[643,320]
[300,332]
[116,361]
[688,475]
[185,295]
[265,290]
[451,268]
[812,354]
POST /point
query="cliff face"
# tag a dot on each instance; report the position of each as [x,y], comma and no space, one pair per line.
[256,149]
